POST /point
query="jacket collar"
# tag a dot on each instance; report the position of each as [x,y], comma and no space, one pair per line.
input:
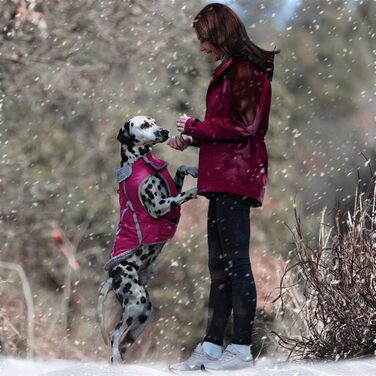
[155,162]
[223,68]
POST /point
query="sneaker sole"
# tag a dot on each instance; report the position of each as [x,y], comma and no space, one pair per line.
[190,372]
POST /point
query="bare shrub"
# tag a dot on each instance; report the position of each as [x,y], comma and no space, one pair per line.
[12,322]
[332,286]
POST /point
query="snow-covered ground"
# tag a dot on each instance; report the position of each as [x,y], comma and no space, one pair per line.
[266,367]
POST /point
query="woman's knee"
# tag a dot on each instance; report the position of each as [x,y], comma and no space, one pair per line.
[239,267]
[217,269]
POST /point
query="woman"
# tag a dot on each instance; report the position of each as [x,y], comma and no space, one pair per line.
[232,174]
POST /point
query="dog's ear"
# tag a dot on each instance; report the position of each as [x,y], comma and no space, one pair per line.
[123,133]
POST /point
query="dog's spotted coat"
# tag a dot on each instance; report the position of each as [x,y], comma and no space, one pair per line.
[129,278]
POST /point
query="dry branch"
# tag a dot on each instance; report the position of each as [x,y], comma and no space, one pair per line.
[29,303]
[336,285]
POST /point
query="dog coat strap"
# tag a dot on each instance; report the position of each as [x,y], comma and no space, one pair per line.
[123,172]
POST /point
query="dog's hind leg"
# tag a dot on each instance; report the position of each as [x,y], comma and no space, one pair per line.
[135,308]
[116,336]
[138,325]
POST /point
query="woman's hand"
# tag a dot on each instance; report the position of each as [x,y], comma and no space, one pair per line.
[179,142]
[180,122]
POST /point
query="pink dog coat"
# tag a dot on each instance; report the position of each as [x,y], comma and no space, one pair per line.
[136,226]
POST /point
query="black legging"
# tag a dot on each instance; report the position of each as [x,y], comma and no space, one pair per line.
[232,284]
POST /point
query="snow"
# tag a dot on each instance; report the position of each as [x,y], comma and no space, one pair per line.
[264,367]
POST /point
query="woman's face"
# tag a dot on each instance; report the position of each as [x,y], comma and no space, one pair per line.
[207,47]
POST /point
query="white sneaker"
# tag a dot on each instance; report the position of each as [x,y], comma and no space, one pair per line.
[195,362]
[230,359]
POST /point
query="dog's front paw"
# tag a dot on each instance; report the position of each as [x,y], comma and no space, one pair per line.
[189,170]
[191,193]
[193,171]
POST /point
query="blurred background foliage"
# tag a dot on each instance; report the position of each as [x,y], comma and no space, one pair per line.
[72,72]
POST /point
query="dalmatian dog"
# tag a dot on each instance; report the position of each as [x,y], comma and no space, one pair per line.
[156,198]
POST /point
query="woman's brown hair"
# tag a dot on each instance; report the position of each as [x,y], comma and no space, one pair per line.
[220,25]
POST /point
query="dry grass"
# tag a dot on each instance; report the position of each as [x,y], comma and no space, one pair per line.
[12,323]
[332,287]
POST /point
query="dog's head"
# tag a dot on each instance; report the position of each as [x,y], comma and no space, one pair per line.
[141,131]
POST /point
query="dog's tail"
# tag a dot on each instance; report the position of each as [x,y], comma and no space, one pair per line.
[103,292]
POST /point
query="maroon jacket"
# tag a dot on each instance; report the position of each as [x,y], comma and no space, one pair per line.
[233,156]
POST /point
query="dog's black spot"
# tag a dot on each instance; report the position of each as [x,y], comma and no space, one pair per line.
[159,187]
[162,202]
[142,318]
[145,150]
[144,257]
[114,273]
[150,194]
[143,300]
[145,125]
[126,301]
[149,306]
[150,186]
[127,288]
[138,252]
[129,269]
[173,205]
[129,320]
[123,133]
[136,281]
[158,212]
[133,265]
[116,283]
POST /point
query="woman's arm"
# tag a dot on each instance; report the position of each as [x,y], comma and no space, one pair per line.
[250,90]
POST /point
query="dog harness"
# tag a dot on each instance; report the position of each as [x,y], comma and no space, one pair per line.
[136,226]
